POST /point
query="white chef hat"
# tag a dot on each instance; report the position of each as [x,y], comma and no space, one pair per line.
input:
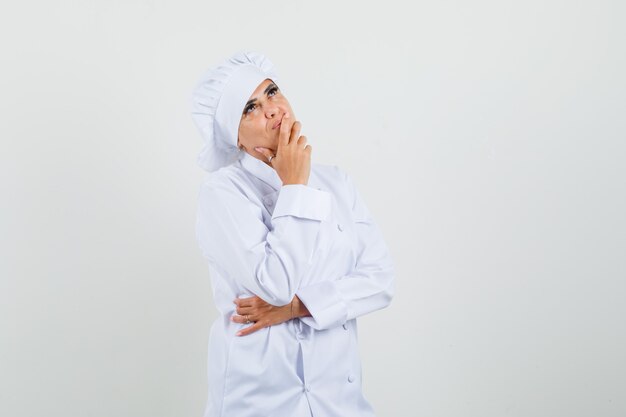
[218,101]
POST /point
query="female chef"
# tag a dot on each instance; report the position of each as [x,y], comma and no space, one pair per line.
[293,254]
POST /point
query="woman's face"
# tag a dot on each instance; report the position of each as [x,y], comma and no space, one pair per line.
[262,114]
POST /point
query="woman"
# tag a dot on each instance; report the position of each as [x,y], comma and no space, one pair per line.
[294,255]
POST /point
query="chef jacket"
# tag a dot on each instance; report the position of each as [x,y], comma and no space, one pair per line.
[317,241]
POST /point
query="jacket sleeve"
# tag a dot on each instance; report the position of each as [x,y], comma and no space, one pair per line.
[369,287]
[268,263]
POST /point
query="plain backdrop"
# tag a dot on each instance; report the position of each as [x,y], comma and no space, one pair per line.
[487,138]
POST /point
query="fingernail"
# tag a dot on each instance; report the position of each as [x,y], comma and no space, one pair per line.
[257,149]
[238,334]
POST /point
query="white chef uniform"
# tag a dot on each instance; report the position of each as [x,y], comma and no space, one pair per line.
[317,241]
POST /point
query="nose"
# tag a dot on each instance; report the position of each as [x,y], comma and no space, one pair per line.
[271,110]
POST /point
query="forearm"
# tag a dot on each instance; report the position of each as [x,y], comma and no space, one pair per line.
[262,314]
[332,303]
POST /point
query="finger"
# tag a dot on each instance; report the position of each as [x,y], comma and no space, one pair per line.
[257,301]
[240,319]
[244,332]
[295,132]
[247,301]
[244,310]
[302,141]
[285,128]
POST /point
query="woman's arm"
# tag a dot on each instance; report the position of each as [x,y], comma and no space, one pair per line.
[369,287]
[269,263]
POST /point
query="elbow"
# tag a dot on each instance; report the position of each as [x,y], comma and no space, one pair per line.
[278,281]
[390,290]
[388,294]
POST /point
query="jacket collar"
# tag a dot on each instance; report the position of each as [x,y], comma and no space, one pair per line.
[261,170]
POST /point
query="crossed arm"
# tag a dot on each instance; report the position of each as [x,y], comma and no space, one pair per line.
[264,314]
[273,265]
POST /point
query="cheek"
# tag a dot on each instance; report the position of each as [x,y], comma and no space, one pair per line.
[251,131]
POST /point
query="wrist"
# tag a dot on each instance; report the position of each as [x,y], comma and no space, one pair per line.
[298,308]
[295,182]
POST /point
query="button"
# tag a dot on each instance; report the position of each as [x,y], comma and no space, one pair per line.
[300,336]
[345,326]
[351,378]
[307,388]
[269,201]
[340,227]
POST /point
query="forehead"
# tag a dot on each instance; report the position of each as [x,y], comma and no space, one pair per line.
[258,92]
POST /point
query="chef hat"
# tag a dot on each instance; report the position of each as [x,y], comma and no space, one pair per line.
[218,101]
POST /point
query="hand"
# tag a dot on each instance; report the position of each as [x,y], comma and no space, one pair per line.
[292,161]
[265,314]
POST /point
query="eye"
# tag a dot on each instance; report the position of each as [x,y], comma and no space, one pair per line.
[249,108]
[271,92]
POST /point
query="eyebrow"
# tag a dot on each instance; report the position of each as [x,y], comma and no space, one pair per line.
[268,88]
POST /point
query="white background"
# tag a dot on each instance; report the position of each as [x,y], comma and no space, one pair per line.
[487,138]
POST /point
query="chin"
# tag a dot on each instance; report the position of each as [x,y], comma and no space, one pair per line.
[272,147]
